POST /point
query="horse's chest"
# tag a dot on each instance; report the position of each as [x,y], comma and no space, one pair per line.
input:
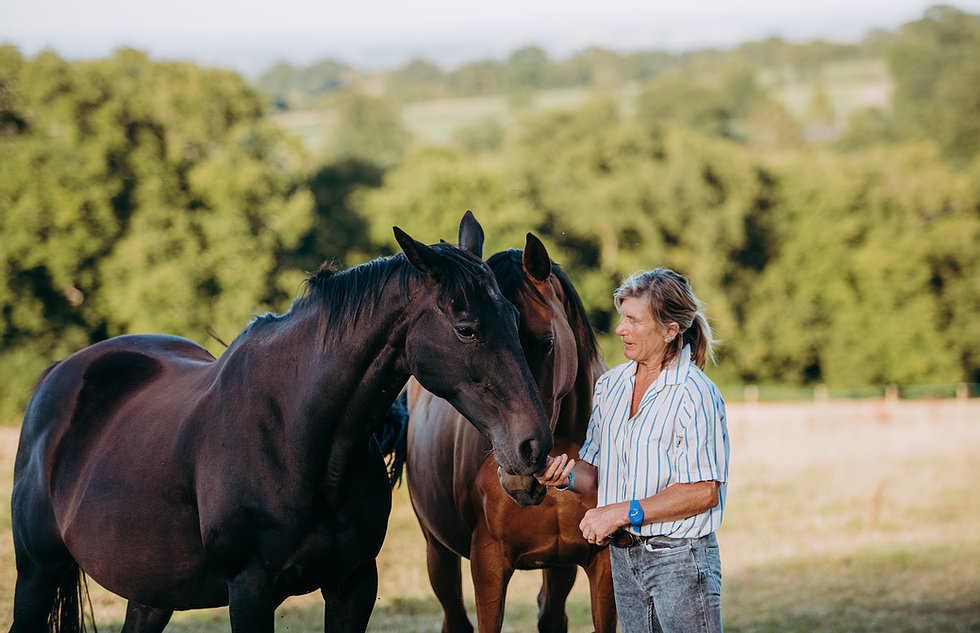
[309,537]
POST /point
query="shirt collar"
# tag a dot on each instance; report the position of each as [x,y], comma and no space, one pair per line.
[674,374]
[676,371]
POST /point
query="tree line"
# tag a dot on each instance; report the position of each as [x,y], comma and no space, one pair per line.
[532,69]
[140,196]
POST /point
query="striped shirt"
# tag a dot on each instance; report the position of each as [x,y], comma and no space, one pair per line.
[678,435]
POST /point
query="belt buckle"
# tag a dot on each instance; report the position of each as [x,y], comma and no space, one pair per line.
[623,539]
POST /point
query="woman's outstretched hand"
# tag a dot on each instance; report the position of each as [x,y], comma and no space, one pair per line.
[556,471]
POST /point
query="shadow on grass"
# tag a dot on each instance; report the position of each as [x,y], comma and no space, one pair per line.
[404,615]
[921,588]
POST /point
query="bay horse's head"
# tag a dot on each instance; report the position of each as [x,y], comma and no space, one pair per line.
[463,346]
[530,281]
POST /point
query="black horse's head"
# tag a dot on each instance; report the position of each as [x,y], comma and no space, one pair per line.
[463,346]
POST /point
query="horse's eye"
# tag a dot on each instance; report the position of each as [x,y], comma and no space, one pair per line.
[466,332]
[547,345]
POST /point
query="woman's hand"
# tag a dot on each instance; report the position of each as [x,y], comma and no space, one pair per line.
[556,471]
[598,523]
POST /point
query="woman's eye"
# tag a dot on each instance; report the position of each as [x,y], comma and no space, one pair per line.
[465,332]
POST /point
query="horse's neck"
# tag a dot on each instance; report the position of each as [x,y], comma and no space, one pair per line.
[576,407]
[362,360]
[331,378]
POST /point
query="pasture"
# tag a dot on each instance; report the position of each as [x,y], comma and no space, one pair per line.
[848,85]
[843,516]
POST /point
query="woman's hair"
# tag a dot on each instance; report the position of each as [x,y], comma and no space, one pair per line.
[670,299]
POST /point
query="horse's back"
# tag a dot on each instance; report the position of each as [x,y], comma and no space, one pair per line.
[77,395]
[94,382]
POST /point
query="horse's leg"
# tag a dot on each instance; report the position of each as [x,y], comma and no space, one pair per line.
[40,590]
[47,575]
[491,572]
[251,607]
[143,619]
[446,578]
[347,607]
[555,586]
[599,571]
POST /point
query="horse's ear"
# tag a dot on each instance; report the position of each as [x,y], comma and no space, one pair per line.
[471,235]
[419,255]
[537,263]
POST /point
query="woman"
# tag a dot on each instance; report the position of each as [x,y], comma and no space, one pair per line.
[657,452]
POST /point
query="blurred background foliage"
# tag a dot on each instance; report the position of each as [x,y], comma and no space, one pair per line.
[823,198]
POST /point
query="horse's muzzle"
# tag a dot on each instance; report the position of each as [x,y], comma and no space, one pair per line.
[523,489]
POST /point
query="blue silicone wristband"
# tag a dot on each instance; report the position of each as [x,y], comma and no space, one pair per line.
[571,482]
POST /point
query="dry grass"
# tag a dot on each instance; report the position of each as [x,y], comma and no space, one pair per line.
[843,517]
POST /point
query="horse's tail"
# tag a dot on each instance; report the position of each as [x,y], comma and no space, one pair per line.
[392,438]
[67,612]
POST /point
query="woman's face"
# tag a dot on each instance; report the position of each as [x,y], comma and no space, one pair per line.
[643,337]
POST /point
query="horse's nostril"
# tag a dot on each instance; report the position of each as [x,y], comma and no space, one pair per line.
[530,451]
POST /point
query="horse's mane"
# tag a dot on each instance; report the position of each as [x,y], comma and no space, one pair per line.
[508,268]
[346,296]
[348,293]
[578,318]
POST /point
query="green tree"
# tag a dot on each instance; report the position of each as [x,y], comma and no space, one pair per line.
[480,78]
[597,68]
[772,128]
[368,129]
[486,134]
[608,197]
[935,63]
[279,84]
[134,196]
[338,232]
[848,269]
[289,88]
[867,127]
[864,289]
[687,101]
[432,189]
[418,79]
[526,69]
[619,197]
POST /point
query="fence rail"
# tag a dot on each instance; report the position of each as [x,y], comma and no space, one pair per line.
[820,393]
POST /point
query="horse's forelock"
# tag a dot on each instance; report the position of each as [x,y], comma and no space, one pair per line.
[464,273]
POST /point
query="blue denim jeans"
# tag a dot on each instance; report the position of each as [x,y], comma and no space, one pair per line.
[668,585]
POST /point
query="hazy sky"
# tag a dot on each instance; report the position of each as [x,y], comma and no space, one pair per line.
[249,36]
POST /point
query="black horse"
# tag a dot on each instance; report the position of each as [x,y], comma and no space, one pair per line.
[181,482]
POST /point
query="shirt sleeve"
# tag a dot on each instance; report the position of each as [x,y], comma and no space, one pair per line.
[590,449]
[700,445]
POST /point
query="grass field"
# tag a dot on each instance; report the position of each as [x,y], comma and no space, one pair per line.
[848,85]
[842,517]
[430,121]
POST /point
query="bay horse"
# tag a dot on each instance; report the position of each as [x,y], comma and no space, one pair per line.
[180,481]
[462,508]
